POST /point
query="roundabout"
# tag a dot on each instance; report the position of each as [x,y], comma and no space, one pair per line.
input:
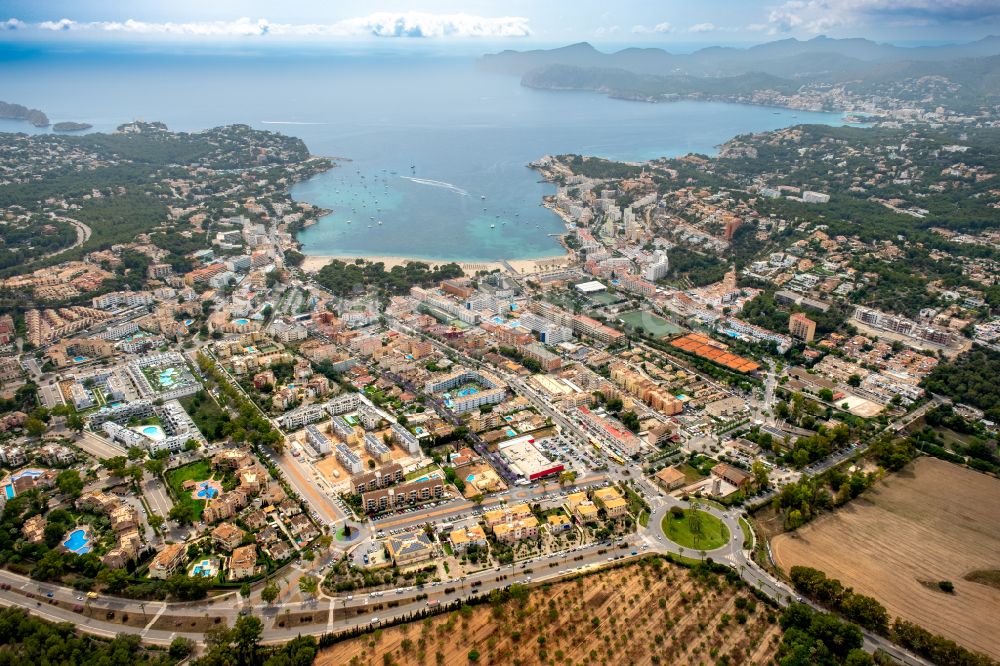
[695,529]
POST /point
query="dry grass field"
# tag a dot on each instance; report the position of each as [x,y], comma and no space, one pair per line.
[639,614]
[933,521]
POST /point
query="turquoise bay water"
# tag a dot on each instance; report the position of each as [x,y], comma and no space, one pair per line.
[434,149]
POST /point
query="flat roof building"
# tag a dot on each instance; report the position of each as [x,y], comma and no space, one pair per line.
[527,460]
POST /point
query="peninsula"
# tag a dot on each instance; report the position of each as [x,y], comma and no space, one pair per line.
[10,111]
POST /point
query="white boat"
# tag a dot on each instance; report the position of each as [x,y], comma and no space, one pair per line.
[493,226]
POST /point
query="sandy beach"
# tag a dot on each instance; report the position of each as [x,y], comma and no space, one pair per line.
[313,263]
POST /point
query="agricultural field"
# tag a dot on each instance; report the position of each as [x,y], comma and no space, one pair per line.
[931,522]
[645,613]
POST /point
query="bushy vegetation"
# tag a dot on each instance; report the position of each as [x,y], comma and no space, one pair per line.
[345,279]
[25,639]
[970,379]
[819,639]
[766,312]
[699,269]
[865,611]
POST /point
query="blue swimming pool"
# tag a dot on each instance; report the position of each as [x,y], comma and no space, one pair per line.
[204,568]
[207,491]
[241,322]
[9,490]
[77,542]
[33,473]
[511,432]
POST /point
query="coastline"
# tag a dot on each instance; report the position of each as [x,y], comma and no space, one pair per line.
[313,263]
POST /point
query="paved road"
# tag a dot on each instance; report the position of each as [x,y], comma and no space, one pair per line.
[347,611]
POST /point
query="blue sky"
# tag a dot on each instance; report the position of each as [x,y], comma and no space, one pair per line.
[520,22]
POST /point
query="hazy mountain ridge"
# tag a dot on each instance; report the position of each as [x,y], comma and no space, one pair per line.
[777,68]
[773,58]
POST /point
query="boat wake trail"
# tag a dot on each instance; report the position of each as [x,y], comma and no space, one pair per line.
[437,183]
[288,122]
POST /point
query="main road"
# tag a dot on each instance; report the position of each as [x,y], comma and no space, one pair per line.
[348,611]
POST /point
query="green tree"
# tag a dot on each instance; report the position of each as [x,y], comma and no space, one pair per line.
[309,585]
[34,427]
[246,635]
[116,580]
[69,482]
[182,512]
[75,422]
[50,567]
[180,647]
[270,592]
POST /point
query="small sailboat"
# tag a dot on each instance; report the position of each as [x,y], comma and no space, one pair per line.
[493,226]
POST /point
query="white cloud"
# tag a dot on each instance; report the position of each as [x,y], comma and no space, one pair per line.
[418,24]
[711,27]
[607,30]
[12,24]
[818,15]
[378,24]
[240,27]
[61,24]
[660,28]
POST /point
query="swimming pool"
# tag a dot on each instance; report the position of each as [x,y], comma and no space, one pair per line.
[9,490]
[205,568]
[470,478]
[511,432]
[79,359]
[32,473]
[206,490]
[241,322]
[467,391]
[153,432]
[77,542]
[166,377]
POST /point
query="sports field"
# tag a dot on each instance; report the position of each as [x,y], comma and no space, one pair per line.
[650,323]
[933,521]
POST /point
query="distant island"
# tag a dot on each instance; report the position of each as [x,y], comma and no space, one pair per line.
[20,112]
[71,127]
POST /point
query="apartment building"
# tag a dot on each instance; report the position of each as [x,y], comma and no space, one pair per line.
[167,561]
[402,495]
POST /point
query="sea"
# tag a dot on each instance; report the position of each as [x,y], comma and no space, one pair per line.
[432,153]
